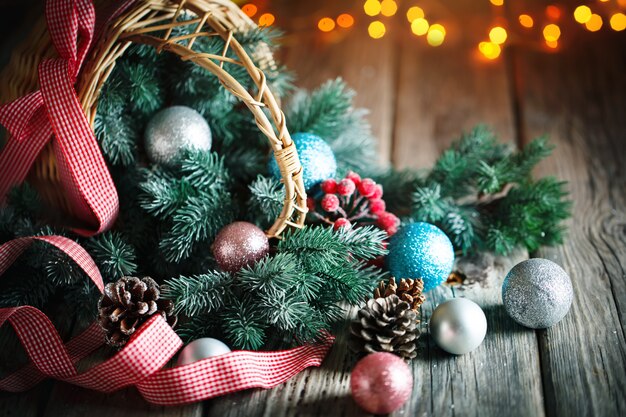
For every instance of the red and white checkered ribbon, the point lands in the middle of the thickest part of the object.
(141, 363)
(54, 113)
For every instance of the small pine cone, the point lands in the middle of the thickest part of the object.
(385, 325)
(409, 290)
(128, 303)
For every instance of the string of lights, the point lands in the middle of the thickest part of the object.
(544, 24)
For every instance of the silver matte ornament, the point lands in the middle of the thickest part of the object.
(537, 293)
(458, 326)
(173, 130)
(199, 349)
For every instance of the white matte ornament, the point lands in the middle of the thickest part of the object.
(199, 349)
(173, 130)
(458, 326)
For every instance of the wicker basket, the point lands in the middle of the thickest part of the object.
(142, 23)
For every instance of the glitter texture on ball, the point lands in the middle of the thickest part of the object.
(381, 383)
(199, 349)
(537, 293)
(458, 326)
(173, 130)
(421, 250)
(317, 159)
(239, 244)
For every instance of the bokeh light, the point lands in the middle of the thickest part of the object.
(553, 12)
(526, 21)
(552, 44)
(266, 19)
(582, 14)
(594, 23)
(326, 24)
(376, 29)
(249, 9)
(413, 13)
(497, 35)
(419, 26)
(489, 50)
(551, 32)
(618, 22)
(345, 20)
(436, 35)
(497, 2)
(372, 7)
(388, 7)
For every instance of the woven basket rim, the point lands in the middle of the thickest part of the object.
(143, 22)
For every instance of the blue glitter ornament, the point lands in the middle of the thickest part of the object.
(421, 250)
(317, 159)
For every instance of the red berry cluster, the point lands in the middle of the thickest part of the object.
(353, 200)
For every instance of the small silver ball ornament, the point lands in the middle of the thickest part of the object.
(458, 326)
(537, 293)
(173, 130)
(199, 349)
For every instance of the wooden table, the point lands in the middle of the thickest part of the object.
(421, 98)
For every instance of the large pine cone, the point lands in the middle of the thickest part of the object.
(386, 325)
(128, 303)
(409, 290)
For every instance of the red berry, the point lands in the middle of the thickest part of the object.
(367, 187)
(377, 205)
(378, 192)
(329, 186)
(330, 203)
(388, 221)
(342, 222)
(346, 187)
(310, 203)
(356, 178)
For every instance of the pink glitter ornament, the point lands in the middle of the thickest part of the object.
(239, 244)
(381, 383)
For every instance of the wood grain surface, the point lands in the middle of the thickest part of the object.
(420, 100)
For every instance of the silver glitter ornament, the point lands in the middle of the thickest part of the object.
(174, 130)
(537, 293)
(458, 326)
(201, 349)
(239, 244)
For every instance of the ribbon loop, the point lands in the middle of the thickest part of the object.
(55, 108)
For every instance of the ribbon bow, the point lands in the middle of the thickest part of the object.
(55, 111)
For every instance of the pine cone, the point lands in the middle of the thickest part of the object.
(128, 303)
(409, 290)
(385, 325)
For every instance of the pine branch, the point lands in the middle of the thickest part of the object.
(199, 294)
(243, 325)
(267, 196)
(113, 255)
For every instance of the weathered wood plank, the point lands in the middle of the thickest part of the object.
(578, 98)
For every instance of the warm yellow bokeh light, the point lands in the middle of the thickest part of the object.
(249, 9)
(345, 20)
(266, 19)
(551, 32)
(436, 35)
(497, 35)
(388, 7)
(419, 26)
(376, 29)
(618, 22)
(414, 13)
(372, 7)
(594, 23)
(489, 50)
(326, 24)
(497, 2)
(582, 14)
(526, 21)
(552, 44)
